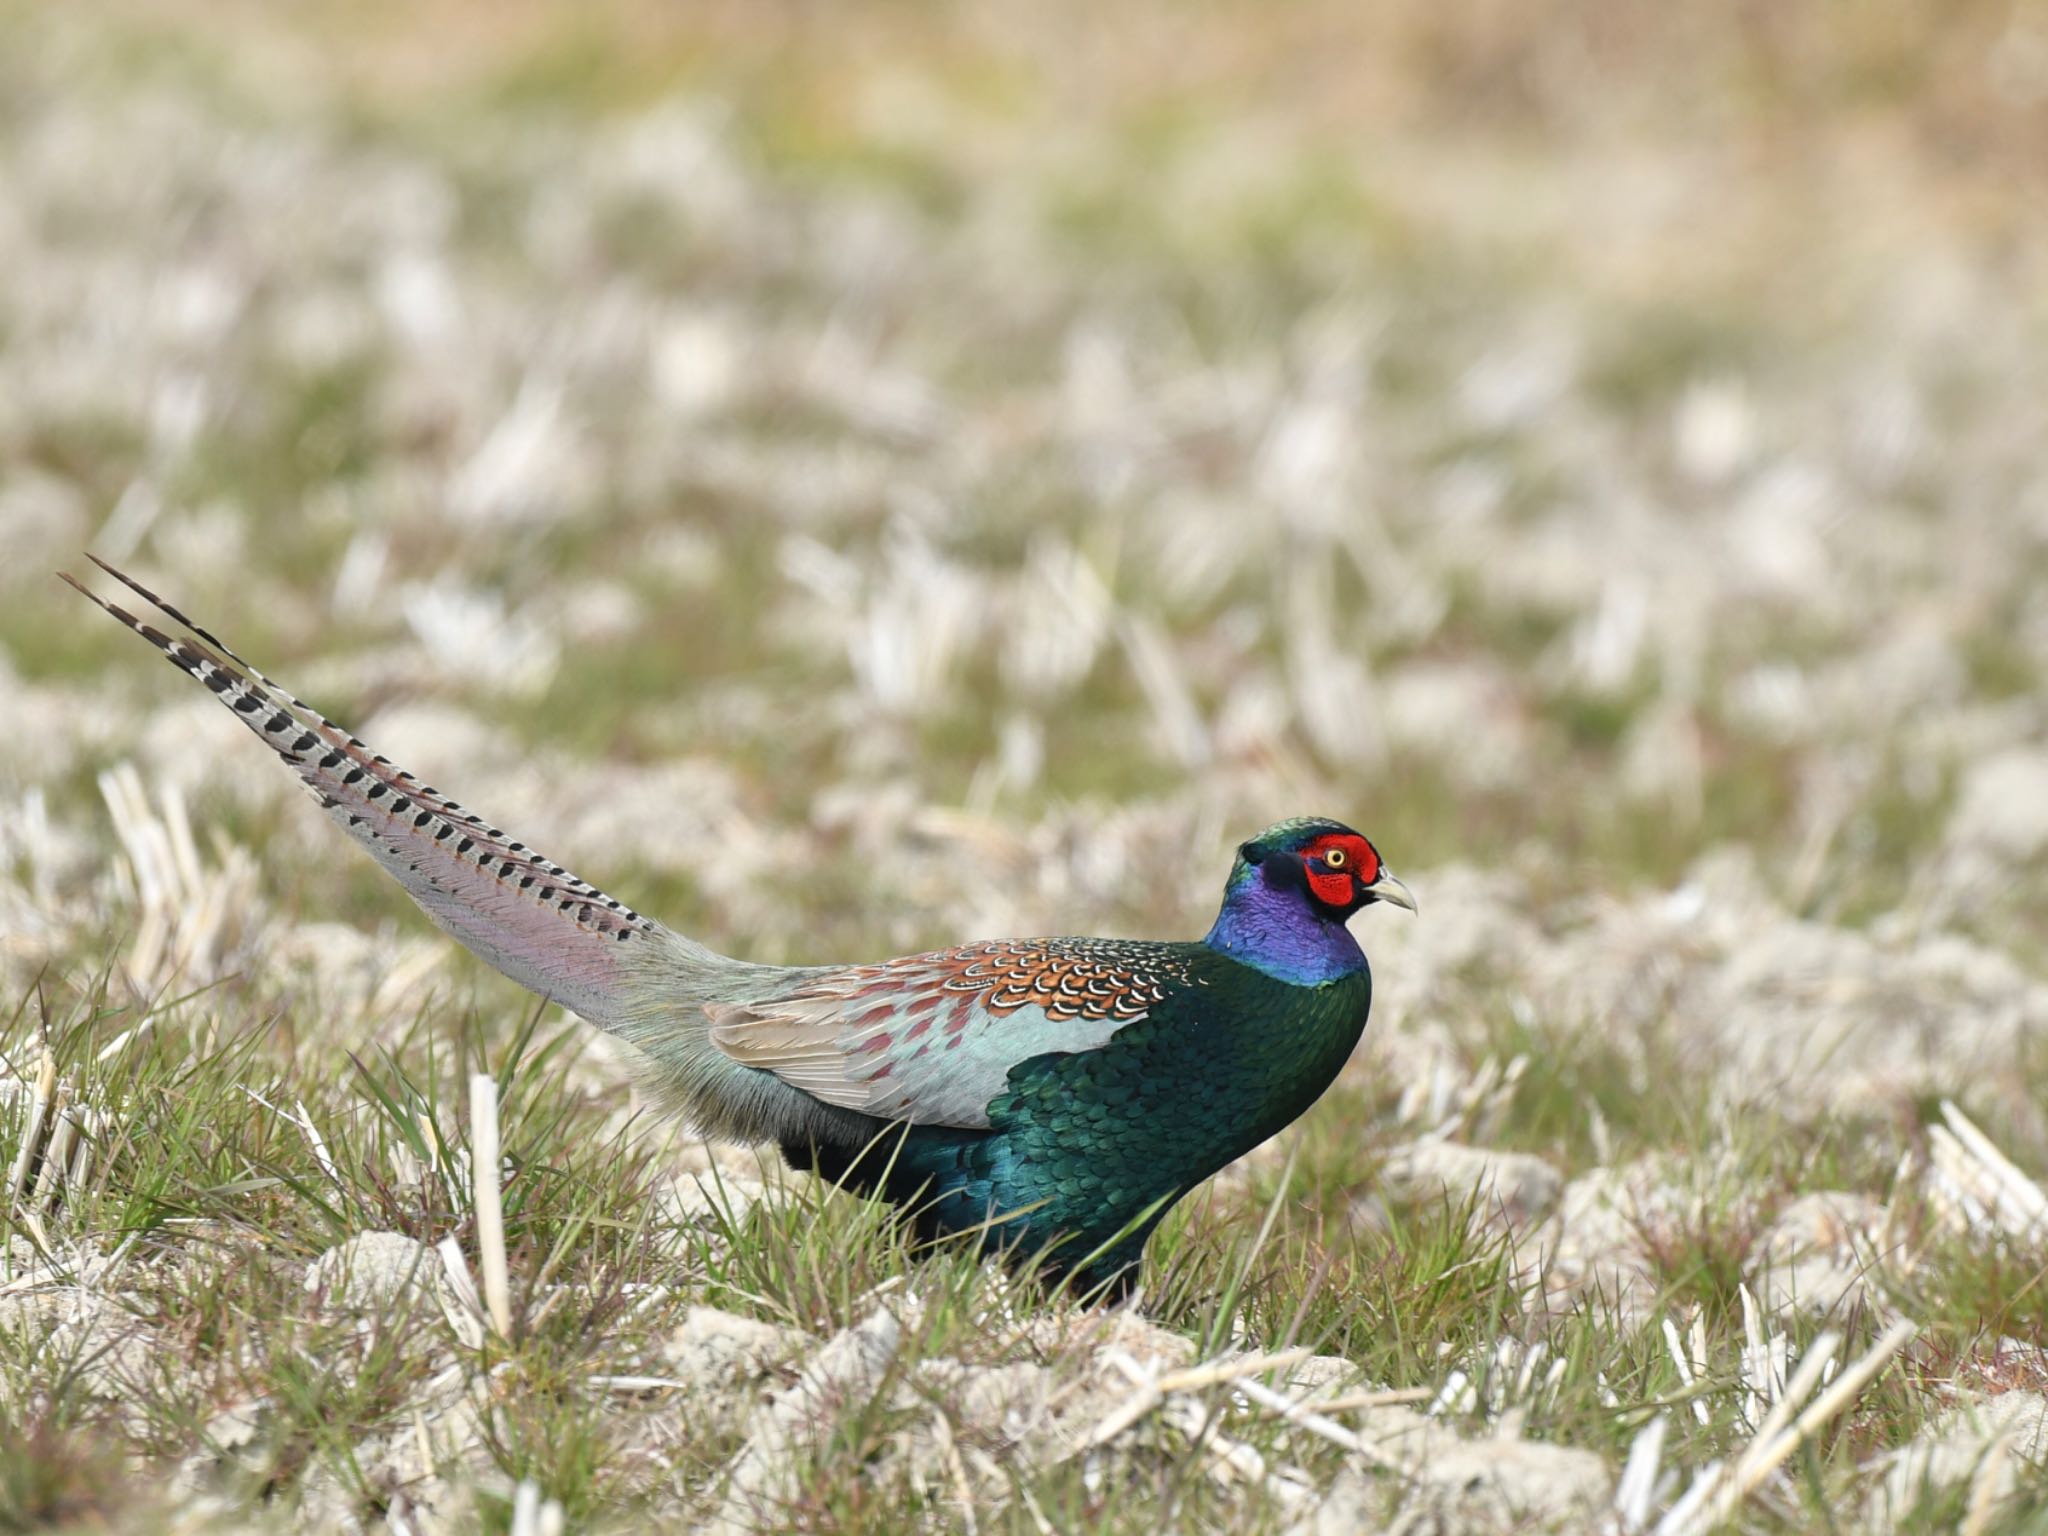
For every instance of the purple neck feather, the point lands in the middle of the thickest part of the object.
(1277, 931)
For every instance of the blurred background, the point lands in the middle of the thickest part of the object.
(862, 478)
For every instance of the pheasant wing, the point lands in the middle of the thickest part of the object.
(931, 1039)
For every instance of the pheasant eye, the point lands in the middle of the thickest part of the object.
(1335, 858)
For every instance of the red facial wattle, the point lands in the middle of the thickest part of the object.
(1337, 884)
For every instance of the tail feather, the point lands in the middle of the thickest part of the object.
(523, 913)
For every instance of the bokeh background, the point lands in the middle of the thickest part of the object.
(852, 479)
(864, 479)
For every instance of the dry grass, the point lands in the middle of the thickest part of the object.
(860, 481)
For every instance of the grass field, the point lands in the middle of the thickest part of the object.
(855, 481)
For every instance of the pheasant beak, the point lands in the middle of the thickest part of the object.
(1388, 889)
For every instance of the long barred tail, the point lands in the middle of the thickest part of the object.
(522, 913)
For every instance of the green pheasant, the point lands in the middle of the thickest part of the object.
(1055, 1096)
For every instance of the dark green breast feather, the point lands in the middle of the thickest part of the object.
(1084, 1143)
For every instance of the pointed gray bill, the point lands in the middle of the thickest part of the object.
(1388, 889)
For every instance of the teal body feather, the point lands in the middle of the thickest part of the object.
(1087, 1151)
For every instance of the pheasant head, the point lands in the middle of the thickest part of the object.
(1290, 892)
